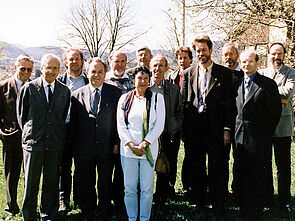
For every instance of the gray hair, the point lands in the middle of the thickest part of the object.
(115, 53)
(23, 57)
(231, 44)
(143, 48)
(46, 57)
(97, 60)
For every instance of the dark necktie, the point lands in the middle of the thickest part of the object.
(49, 93)
(96, 99)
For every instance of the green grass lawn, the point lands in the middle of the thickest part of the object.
(177, 208)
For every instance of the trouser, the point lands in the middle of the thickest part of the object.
(12, 155)
(86, 178)
(135, 170)
(118, 183)
(207, 141)
(281, 146)
(35, 163)
(165, 182)
(251, 171)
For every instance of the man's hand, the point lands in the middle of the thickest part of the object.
(284, 101)
(226, 137)
(116, 149)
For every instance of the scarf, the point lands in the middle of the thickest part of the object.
(126, 105)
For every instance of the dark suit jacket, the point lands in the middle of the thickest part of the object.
(43, 125)
(9, 128)
(63, 79)
(173, 107)
(95, 135)
(258, 115)
(218, 100)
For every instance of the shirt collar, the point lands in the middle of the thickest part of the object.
(92, 89)
(111, 74)
(18, 81)
(70, 77)
(45, 83)
(251, 77)
(238, 68)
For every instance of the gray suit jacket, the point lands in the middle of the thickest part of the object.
(9, 129)
(285, 80)
(43, 125)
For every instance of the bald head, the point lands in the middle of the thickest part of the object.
(249, 62)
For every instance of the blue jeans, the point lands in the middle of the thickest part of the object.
(135, 170)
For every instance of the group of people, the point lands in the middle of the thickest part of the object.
(113, 124)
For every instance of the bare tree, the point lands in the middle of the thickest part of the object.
(100, 26)
(232, 18)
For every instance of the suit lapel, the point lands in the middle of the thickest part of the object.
(85, 94)
(41, 90)
(13, 88)
(253, 89)
(103, 103)
(213, 79)
(281, 76)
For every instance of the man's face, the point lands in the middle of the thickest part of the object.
(203, 53)
(276, 55)
(118, 63)
(183, 60)
(230, 56)
(248, 63)
(50, 69)
(24, 70)
(96, 74)
(143, 58)
(158, 68)
(74, 62)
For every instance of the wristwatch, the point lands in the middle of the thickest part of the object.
(144, 144)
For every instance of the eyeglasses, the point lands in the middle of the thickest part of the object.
(23, 69)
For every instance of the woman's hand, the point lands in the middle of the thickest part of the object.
(137, 150)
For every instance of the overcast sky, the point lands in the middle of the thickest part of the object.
(37, 22)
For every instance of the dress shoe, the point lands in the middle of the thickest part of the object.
(9, 216)
(197, 210)
(64, 207)
(286, 208)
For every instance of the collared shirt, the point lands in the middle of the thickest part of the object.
(275, 71)
(238, 68)
(19, 83)
(74, 83)
(92, 92)
(124, 83)
(157, 88)
(111, 74)
(250, 80)
(46, 89)
(202, 72)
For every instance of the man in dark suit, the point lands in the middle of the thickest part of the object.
(170, 138)
(93, 126)
(206, 96)
(10, 132)
(230, 57)
(259, 109)
(42, 107)
(74, 78)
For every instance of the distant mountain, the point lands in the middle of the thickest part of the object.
(14, 50)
